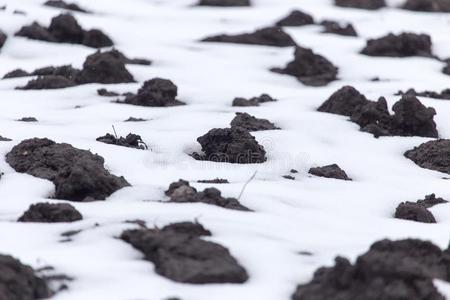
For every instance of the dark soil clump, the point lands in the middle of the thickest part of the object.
(130, 141)
(336, 28)
(309, 68)
(182, 256)
(433, 155)
(106, 93)
(181, 192)
(51, 213)
(48, 82)
(343, 102)
(251, 123)
(446, 69)
(232, 145)
(65, 29)
(330, 171)
(444, 94)
(215, 181)
(296, 18)
(402, 269)
(255, 101)
(431, 200)
(402, 45)
(156, 92)
(16, 73)
(78, 175)
(28, 119)
(362, 4)
(224, 3)
(20, 282)
(269, 36)
(64, 5)
(3, 38)
(428, 5)
(414, 212)
(133, 119)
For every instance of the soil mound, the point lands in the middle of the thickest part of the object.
(428, 5)
(330, 171)
(433, 155)
(156, 92)
(296, 18)
(3, 38)
(414, 212)
(362, 4)
(402, 45)
(224, 3)
(337, 28)
(255, 101)
(444, 94)
(65, 5)
(251, 123)
(51, 213)
(130, 141)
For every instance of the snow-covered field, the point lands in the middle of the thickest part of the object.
(325, 217)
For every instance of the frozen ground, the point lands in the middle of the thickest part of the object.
(323, 216)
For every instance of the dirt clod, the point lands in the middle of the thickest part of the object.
(402, 269)
(251, 123)
(182, 192)
(414, 212)
(51, 213)
(3, 38)
(343, 102)
(255, 101)
(337, 28)
(224, 3)
(431, 200)
(48, 82)
(130, 141)
(16, 73)
(296, 18)
(444, 94)
(309, 68)
(65, 5)
(215, 181)
(28, 119)
(428, 5)
(96, 38)
(401, 45)
(362, 4)
(133, 119)
(156, 92)
(329, 171)
(20, 282)
(233, 145)
(78, 175)
(269, 36)
(181, 255)
(433, 155)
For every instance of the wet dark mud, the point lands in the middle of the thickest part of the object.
(156, 92)
(180, 254)
(51, 213)
(254, 101)
(78, 174)
(433, 155)
(130, 141)
(339, 29)
(329, 171)
(362, 4)
(401, 45)
(296, 18)
(251, 123)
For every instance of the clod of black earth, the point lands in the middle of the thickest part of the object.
(104, 67)
(329, 171)
(444, 94)
(232, 145)
(446, 69)
(431, 200)
(182, 256)
(309, 68)
(66, 71)
(106, 93)
(3, 139)
(428, 5)
(336, 28)
(414, 212)
(133, 119)
(296, 18)
(362, 4)
(255, 101)
(156, 92)
(28, 119)
(194, 229)
(289, 177)
(16, 73)
(402, 269)
(131, 61)
(251, 123)
(48, 82)
(401, 45)
(3, 38)
(64, 5)
(64, 28)
(268, 36)
(224, 3)
(78, 174)
(130, 141)
(215, 181)
(20, 282)
(51, 213)
(343, 102)
(181, 192)
(433, 155)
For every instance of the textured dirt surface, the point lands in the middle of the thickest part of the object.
(338, 28)
(51, 213)
(254, 101)
(362, 4)
(401, 45)
(296, 18)
(156, 92)
(428, 5)
(330, 171)
(130, 141)
(414, 212)
(3, 38)
(64, 5)
(444, 94)
(224, 2)
(433, 155)
(251, 123)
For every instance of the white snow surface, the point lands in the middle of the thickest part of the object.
(326, 217)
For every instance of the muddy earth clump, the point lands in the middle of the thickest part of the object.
(403, 269)
(232, 145)
(181, 192)
(446, 69)
(20, 282)
(444, 94)
(401, 45)
(431, 200)
(51, 213)
(48, 82)
(428, 5)
(362, 4)
(107, 93)
(3, 38)
(156, 92)
(433, 155)
(414, 212)
(329, 171)
(65, 5)
(343, 101)
(337, 28)
(254, 101)
(130, 141)
(224, 3)
(251, 123)
(296, 18)
(133, 119)
(180, 254)
(215, 181)
(65, 29)
(28, 119)
(78, 174)
(309, 68)
(269, 36)
(16, 73)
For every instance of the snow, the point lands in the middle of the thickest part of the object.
(323, 216)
